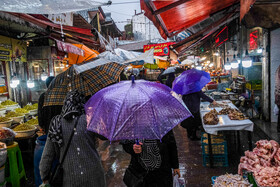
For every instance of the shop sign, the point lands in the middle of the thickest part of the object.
(12, 49)
(222, 36)
(64, 19)
(69, 48)
(253, 42)
(160, 49)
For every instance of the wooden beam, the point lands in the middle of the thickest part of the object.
(168, 7)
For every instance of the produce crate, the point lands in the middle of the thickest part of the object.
(217, 148)
(218, 160)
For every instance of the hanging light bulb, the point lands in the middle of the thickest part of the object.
(234, 63)
(203, 58)
(247, 61)
(30, 84)
(216, 54)
(211, 65)
(13, 85)
(44, 76)
(199, 67)
(260, 50)
(15, 80)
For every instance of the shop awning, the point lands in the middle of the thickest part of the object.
(173, 16)
(45, 24)
(203, 34)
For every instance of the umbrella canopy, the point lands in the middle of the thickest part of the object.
(147, 57)
(88, 54)
(127, 110)
(173, 70)
(87, 82)
(190, 81)
(187, 62)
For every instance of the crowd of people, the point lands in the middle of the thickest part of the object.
(67, 143)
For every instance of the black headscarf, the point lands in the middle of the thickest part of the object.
(73, 106)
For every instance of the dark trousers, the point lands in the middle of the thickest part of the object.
(192, 124)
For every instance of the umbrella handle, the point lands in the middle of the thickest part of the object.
(132, 78)
(137, 142)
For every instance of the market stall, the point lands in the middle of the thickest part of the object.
(224, 117)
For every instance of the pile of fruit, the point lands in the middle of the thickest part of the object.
(21, 111)
(8, 103)
(5, 133)
(23, 127)
(2, 106)
(4, 119)
(31, 107)
(211, 118)
(32, 122)
(14, 114)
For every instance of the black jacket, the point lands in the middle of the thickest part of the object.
(161, 177)
(45, 114)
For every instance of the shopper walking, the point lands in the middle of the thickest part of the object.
(192, 101)
(82, 165)
(152, 161)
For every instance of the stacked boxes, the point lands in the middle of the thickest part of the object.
(219, 150)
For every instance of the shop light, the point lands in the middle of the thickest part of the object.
(13, 85)
(247, 61)
(192, 66)
(198, 67)
(203, 58)
(227, 65)
(30, 84)
(260, 50)
(234, 63)
(216, 54)
(211, 65)
(44, 76)
(15, 81)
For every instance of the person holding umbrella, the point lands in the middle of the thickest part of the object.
(153, 161)
(189, 85)
(140, 110)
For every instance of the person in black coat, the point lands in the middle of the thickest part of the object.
(170, 79)
(45, 114)
(192, 101)
(155, 159)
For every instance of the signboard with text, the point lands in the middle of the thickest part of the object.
(160, 49)
(12, 49)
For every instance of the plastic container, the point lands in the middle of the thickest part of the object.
(33, 112)
(6, 123)
(218, 160)
(21, 134)
(17, 119)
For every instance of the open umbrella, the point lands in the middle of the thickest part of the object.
(187, 62)
(190, 81)
(173, 70)
(87, 82)
(134, 110)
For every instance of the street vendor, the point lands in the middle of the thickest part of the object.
(192, 101)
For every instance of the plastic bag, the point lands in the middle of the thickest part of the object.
(176, 181)
(276, 110)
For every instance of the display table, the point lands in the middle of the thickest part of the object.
(225, 124)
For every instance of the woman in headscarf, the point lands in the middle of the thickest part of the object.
(82, 165)
(154, 160)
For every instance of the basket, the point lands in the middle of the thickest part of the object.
(33, 112)
(12, 107)
(17, 119)
(21, 134)
(6, 123)
(218, 160)
(217, 148)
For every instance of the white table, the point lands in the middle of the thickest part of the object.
(225, 124)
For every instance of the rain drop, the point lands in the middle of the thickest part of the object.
(78, 149)
(75, 133)
(82, 173)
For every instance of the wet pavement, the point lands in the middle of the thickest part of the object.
(115, 160)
